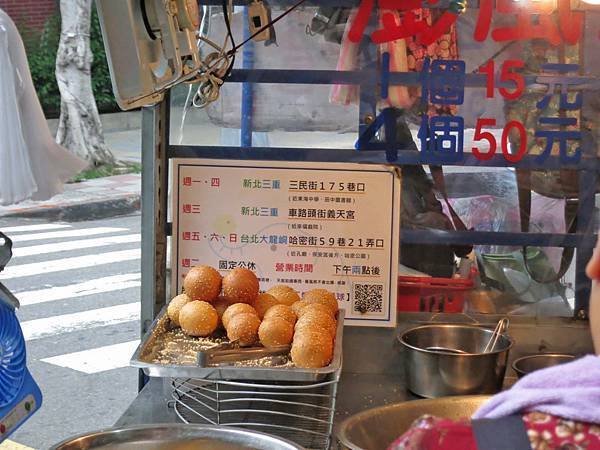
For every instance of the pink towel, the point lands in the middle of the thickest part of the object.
(570, 391)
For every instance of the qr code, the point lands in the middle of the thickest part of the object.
(368, 298)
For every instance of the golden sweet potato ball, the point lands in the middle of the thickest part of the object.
(198, 318)
(202, 283)
(312, 350)
(284, 294)
(240, 286)
(283, 311)
(221, 304)
(243, 328)
(234, 310)
(320, 319)
(275, 332)
(263, 302)
(312, 306)
(322, 296)
(175, 306)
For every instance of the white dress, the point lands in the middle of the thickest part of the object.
(32, 165)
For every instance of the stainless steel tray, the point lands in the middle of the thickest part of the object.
(141, 359)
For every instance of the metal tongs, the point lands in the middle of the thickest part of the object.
(501, 327)
(225, 354)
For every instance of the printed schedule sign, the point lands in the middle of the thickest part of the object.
(307, 225)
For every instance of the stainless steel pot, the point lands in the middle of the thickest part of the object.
(527, 364)
(175, 437)
(377, 428)
(443, 360)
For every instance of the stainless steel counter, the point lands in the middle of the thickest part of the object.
(373, 373)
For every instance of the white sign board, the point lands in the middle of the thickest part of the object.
(308, 225)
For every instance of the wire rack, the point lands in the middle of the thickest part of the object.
(299, 411)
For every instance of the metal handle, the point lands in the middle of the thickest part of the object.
(5, 250)
(7, 297)
(501, 327)
(211, 357)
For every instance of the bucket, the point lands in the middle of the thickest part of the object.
(443, 360)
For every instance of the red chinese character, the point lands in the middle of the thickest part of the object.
(413, 22)
(187, 181)
(308, 268)
(215, 182)
(185, 262)
(289, 267)
(298, 267)
(279, 267)
(187, 235)
(195, 236)
(233, 238)
(569, 28)
(187, 208)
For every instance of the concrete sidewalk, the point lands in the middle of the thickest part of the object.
(92, 199)
(101, 197)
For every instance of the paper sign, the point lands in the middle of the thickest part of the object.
(307, 225)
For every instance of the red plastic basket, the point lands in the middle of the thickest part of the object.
(432, 294)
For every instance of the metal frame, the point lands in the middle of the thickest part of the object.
(300, 412)
(157, 150)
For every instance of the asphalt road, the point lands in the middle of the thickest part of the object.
(78, 284)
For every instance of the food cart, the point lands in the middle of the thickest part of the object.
(369, 367)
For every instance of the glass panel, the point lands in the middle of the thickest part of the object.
(506, 79)
(294, 45)
(283, 115)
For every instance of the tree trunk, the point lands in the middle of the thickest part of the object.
(79, 129)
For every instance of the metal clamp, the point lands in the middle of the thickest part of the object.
(5, 250)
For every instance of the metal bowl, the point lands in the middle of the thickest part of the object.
(377, 428)
(527, 364)
(175, 437)
(444, 360)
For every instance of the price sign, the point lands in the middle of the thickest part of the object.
(307, 225)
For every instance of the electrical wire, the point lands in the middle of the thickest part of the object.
(217, 66)
(203, 30)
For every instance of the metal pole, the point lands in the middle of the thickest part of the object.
(247, 88)
(588, 180)
(155, 142)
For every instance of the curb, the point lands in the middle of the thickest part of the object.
(76, 212)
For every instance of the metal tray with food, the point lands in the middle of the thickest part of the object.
(165, 351)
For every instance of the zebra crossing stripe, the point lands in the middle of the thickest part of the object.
(76, 262)
(67, 323)
(85, 288)
(66, 234)
(96, 360)
(40, 227)
(75, 245)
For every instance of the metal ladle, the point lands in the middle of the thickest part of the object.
(501, 327)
